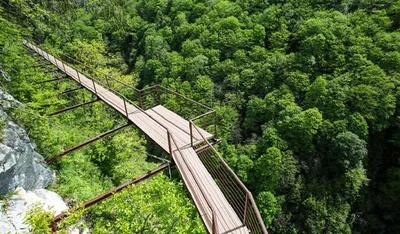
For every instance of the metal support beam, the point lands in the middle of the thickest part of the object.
(58, 156)
(41, 65)
(55, 79)
(50, 70)
(72, 90)
(109, 193)
(73, 107)
(44, 61)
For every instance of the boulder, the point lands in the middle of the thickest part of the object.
(12, 218)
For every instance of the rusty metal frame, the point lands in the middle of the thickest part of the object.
(41, 65)
(48, 70)
(109, 193)
(72, 90)
(73, 107)
(58, 156)
(54, 79)
(249, 200)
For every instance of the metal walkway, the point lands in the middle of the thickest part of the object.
(180, 138)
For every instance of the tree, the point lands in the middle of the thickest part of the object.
(269, 207)
(299, 128)
(349, 149)
(255, 114)
(268, 168)
(316, 93)
(226, 119)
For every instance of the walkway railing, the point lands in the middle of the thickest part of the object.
(212, 221)
(151, 96)
(74, 72)
(238, 196)
(173, 148)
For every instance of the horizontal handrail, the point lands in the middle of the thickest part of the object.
(139, 91)
(202, 115)
(107, 76)
(146, 88)
(143, 89)
(149, 87)
(189, 99)
(77, 61)
(125, 99)
(248, 193)
(216, 152)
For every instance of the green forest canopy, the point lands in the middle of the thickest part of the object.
(306, 92)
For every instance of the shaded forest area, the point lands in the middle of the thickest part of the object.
(306, 92)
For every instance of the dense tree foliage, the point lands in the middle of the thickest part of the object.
(307, 94)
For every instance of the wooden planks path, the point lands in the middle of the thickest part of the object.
(155, 123)
(190, 166)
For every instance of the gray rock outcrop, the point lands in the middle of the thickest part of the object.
(20, 165)
(23, 171)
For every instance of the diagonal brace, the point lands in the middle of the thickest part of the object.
(58, 156)
(109, 193)
(73, 107)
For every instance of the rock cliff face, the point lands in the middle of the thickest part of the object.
(24, 172)
(20, 165)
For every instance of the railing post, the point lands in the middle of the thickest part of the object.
(126, 109)
(169, 143)
(48, 58)
(140, 99)
(95, 91)
(214, 224)
(55, 60)
(79, 78)
(215, 123)
(169, 171)
(158, 95)
(246, 204)
(108, 84)
(64, 67)
(191, 133)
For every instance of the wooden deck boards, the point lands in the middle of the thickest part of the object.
(154, 123)
(190, 166)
